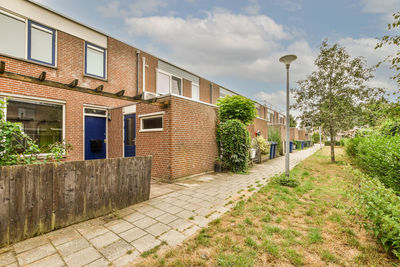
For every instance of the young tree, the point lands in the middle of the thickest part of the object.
(237, 107)
(394, 60)
(292, 122)
(332, 96)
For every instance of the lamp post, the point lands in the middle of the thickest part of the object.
(287, 60)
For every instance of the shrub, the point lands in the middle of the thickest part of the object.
(380, 207)
(351, 146)
(380, 157)
(390, 127)
(285, 181)
(261, 143)
(274, 135)
(315, 138)
(237, 107)
(234, 143)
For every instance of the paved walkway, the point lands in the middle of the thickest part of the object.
(167, 220)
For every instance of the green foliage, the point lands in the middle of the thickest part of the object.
(380, 157)
(333, 95)
(234, 142)
(260, 142)
(237, 107)
(292, 122)
(380, 206)
(16, 147)
(292, 181)
(315, 138)
(274, 135)
(390, 127)
(390, 40)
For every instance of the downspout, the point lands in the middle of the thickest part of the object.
(211, 93)
(138, 70)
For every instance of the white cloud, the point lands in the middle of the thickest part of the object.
(253, 8)
(138, 8)
(225, 44)
(289, 5)
(110, 10)
(380, 6)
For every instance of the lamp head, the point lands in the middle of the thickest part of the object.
(288, 59)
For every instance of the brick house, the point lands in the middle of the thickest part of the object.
(67, 81)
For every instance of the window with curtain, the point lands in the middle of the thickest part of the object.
(41, 44)
(95, 61)
(14, 29)
(195, 92)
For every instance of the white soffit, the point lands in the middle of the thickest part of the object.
(51, 19)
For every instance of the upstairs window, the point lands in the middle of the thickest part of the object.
(41, 43)
(195, 92)
(168, 84)
(95, 61)
(14, 28)
(27, 39)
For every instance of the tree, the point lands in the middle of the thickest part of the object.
(293, 122)
(332, 96)
(394, 60)
(237, 107)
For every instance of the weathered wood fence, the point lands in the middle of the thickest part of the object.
(39, 198)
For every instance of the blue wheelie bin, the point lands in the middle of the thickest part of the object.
(290, 147)
(302, 144)
(271, 150)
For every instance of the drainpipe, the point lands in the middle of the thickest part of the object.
(138, 71)
(211, 93)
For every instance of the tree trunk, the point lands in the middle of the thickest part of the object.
(332, 143)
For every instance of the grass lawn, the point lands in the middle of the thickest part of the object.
(312, 224)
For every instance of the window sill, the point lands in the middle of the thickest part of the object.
(29, 61)
(95, 77)
(151, 130)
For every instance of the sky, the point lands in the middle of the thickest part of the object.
(237, 43)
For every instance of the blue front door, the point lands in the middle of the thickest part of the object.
(130, 135)
(95, 134)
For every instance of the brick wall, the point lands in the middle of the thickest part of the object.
(115, 134)
(193, 146)
(301, 135)
(216, 92)
(205, 90)
(187, 88)
(151, 72)
(156, 144)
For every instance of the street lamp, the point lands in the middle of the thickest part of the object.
(287, 60)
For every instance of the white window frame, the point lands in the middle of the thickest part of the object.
(198, 90)
(151, 116)
(170, 83)
(35, 100)
(99, 49)
(27, 46)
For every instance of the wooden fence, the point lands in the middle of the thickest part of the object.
(39, 198)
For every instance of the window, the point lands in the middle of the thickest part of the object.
(41, 40)
(95, 61)
(42, 122)
(195, 92)
(168, 84)
(151, 122)
(176, 85)
(14, 29)
(41, 43)
(163, 83)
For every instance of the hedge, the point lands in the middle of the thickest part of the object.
(380, 207)
(379, 156)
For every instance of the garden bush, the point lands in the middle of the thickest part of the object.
(379, 156)
(390, 127)
(261, 143)
(234, 143)
(380, 207)
(274, 135)
(237, 107)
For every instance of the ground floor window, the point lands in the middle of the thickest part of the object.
(43, 122)
(151, 122)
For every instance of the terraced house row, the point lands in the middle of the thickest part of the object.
(67, 81)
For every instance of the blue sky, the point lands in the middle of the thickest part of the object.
(237, 44)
